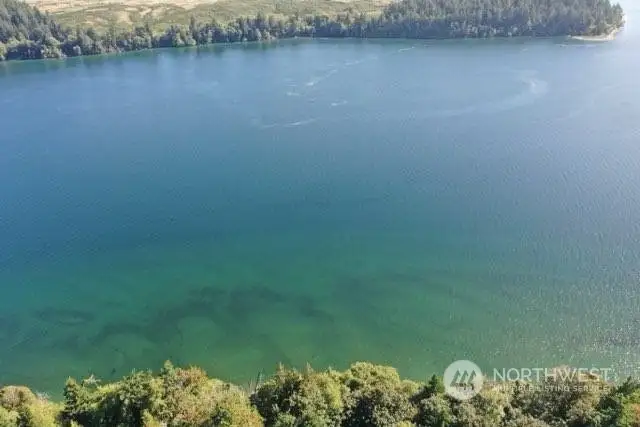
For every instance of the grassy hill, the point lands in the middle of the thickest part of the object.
(161, 14)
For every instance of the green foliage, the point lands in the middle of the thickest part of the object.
(20, 407)
(309, 398)
(190, 398)
(41, 413)
(79, 405)
(125, 404)
(285, 420)
(275, 397)
(468, 18)
(119, 404)
(621, 406)
(487, 409)
(574, 400)
(232, 408)
(363, 395)
(320, 400)
(433, 387)
(434, 411)
(377, 396)
(630, 410)
(8, 418)
(149, 420)
(26, 33)
(14, 397)
(518, 419)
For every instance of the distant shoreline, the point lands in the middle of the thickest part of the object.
(397, 20)
(599, 38)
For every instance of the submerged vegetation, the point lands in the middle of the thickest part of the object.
(27, 33)
(363, 395)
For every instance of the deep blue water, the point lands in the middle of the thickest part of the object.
(326, 201)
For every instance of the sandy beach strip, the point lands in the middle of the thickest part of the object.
(604, 37)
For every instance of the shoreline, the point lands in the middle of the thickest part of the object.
(603, 37)
(92, 38)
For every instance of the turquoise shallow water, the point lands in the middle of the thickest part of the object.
(405, 202)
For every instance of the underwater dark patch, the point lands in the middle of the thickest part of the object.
(247, 301)
(117, 328)
(207, 294)
(309, 309)
(64, 316)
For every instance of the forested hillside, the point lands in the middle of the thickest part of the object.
(486, 18)
(26, 33)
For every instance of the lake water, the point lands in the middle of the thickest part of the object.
(405, 202)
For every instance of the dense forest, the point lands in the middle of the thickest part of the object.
(26, 33)
(364, 395)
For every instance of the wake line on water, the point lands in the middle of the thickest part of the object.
(269, 126)
(580, 45)
(317, 80)
(298, 123)
(350, 63)
(536, 88)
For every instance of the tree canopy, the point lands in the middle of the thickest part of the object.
(27, 33)
(364, 395)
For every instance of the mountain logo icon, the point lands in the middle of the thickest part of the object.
(463, 379)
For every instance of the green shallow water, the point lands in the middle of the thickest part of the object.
(405, 202)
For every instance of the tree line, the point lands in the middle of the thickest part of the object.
(27, 33)
(364, 395)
